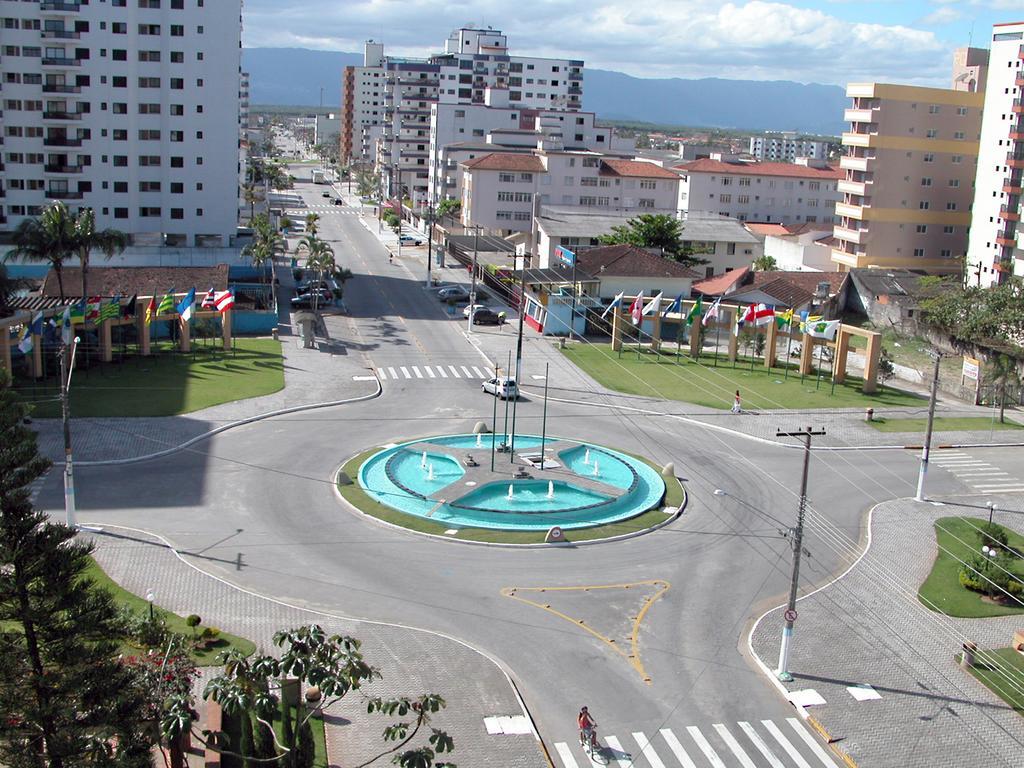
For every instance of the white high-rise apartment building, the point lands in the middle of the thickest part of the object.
(996, 245)
(130, 107)
(785, 146)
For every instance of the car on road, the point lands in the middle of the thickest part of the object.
(453, 293)
(338, 201)
(305, 301)
(409, 240)
(471, 308)
(502, 387)
(325, 194)
(487, 316)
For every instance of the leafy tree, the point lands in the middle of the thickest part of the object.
(654, 230)
(162, 675)
(266, 244)
(886, 368)
(246, 744)
(109, 242)
(319, 257)
(449, 207)
(367, 183)
(8, 286)
(992, 317)
(765, 263)
(305, 746)
(50, 237)
(65, 698)
(252, 195)
(312, 222)
(1004, 378)
(335, 664)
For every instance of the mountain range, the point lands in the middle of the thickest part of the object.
(303, 77)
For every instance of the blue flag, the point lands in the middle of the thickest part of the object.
(186, 305)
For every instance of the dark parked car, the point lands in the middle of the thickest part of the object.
(460, 293)
(305, 301)
(487, 316)
(338, 201)
(325, 194)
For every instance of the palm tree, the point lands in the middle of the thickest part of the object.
(266, 244)
(108, 241)
(311, 222)
(319, 256)
(8, 286)
(1004, 377)
(49, 237)
(251, 195)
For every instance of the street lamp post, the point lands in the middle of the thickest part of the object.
(67, 366)
(991, 509)
(472, 285)
(927, 447)
(150, 597)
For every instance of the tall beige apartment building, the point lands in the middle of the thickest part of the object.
(909, 158)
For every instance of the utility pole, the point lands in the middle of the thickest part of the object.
(927, 447)
(798, 541)
(66, 367)
(430, 236)
(472, 285)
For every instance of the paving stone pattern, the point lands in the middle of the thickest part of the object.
(410, 661)
(869, 627)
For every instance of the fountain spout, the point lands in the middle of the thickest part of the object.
(551, 489)
(479, 439)
(509, 497)
(430, 471)
(423, 460)
(586, 456)
(597, 469)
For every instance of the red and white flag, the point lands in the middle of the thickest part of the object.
(208, 300)
(763, 315)
(224, 300)
(636, 309)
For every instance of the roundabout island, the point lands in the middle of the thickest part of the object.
(511, 489)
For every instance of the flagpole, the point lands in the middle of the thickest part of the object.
(507, 372)
(718, 336)
(544, 417)
(494, 414)
(789, 344)
(818, 384)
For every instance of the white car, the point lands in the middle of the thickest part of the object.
(502, 387)
(472, 308)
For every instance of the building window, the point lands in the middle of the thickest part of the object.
(725, 198)
(922, 229)
(646, 202)
(954, 182)
(948, 229)
(933, 109)
(926, 181)
(919, 252)
(932, 133)
(959, 135)
(929, 157)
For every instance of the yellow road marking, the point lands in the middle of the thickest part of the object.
(633, 655)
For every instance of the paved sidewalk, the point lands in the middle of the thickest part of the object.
(870, 628)
(411, 661)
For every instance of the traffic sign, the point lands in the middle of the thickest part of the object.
(565, 256)
(790, 615)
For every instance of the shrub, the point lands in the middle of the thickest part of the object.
(993, 535)
(211, 633)
(989, 576)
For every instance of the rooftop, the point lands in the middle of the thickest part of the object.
(565, 221)
(629, 261)
(761, 169)
(142, 281)
(506, 161)
(636, 169)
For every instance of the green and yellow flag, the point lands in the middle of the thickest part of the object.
(110, 310)
(166, 303)
(695, 311)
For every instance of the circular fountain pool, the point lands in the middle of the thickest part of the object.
(449, 479)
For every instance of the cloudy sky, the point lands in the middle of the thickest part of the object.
(824, 41)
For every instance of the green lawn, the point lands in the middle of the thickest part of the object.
(707, 385)
(994, 675)
(951, 424)
(354, 494)
(172, 384)
(174, 622)
(941, 591)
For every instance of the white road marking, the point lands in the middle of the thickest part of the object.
(815, 747)
(648, 750)
(417, 372)
(758, 742)
(566, 754)
(381, 375)
(392, 373)
(466, 371)
(442, 371)
(624, 759)
(455, 373)
(405, 371)
(705, 747)
(430, 371)
(785, 743)
(677, 748)
(731, 743)
(479, 373)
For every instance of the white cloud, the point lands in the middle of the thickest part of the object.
(757, 39)
(946, 14)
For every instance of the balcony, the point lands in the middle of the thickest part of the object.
(859, 116)
(66, 194)
(857, 139)
(850, 163)
(1018, 106)
(55, 88)
(60, 34)
(858, 236)
(60, 168)
(1006, 238)
(852, 187)
(61, 141)
(1017, 133)
(1019, 79)
(60, 61)
(851, 211)
(1015, 159)
(850, 259)
(1009, 213)
(60, 7)
(1013, 186)
(575, 90)
(62, 115)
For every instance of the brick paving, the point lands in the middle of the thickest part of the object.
(411, 661)
(869, 628)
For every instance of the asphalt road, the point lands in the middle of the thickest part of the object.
(262, 495)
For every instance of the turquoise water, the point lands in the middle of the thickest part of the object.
(407, 467)
(469, 441)
(530, 508)
(610, 468)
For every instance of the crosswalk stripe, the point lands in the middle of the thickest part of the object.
(648, 750)
(624, 759)
(478, 373)
(705, 747)
(987, 472)
(393, 373)
(417, 372)
(455, 373)
(998, 489)
(731, 743)
(381, 375)
(405, 371)
(785, 743)
(815, 747)
(430, 371)
(753, 735)
(677, 748)
(566, 754)
(466, 371)
(442, 371)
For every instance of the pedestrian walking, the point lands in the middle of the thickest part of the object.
(391, 257)
(736, 406)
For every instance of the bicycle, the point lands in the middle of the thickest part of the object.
(588, 740)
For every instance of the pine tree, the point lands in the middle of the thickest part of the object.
(65, 699)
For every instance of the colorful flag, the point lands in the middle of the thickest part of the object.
(695, 311)
(712, 313)
(166, 303)
(92, 309)
(784, 320)
(186, 305)
(66, 327)
(128, 310)
(111, 310)
(617, 301)
(225, 300)
(675, 306)
(31, 329)
(636, 309)
(807, 320)
(150, 309)
(78, 311)
(764, 315)
(823, 329)
(208, 302)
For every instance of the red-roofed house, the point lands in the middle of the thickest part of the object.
(784, 193)
(498, 189)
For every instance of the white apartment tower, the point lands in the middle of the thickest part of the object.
(130, 107)
(786, 146)
(996, 245)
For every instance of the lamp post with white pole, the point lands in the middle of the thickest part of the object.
(67, 366)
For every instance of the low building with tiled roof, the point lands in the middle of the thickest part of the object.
(638, 169)
(136, 281)
(772, 193)
(506, 161)
(826, 291)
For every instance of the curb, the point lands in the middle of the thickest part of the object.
(831, 742)
(225, 427)
(497, 544)
(500, 665)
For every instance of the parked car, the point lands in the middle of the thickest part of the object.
(312, 285)
(471, 308)
(305, 301)
(325, 194)
(338, 201)
(503, 387)
(409, 240)
(453, 293)
(487, 316)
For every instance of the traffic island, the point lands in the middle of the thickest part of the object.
(532, 490)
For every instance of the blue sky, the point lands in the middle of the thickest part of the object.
(823, 41)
